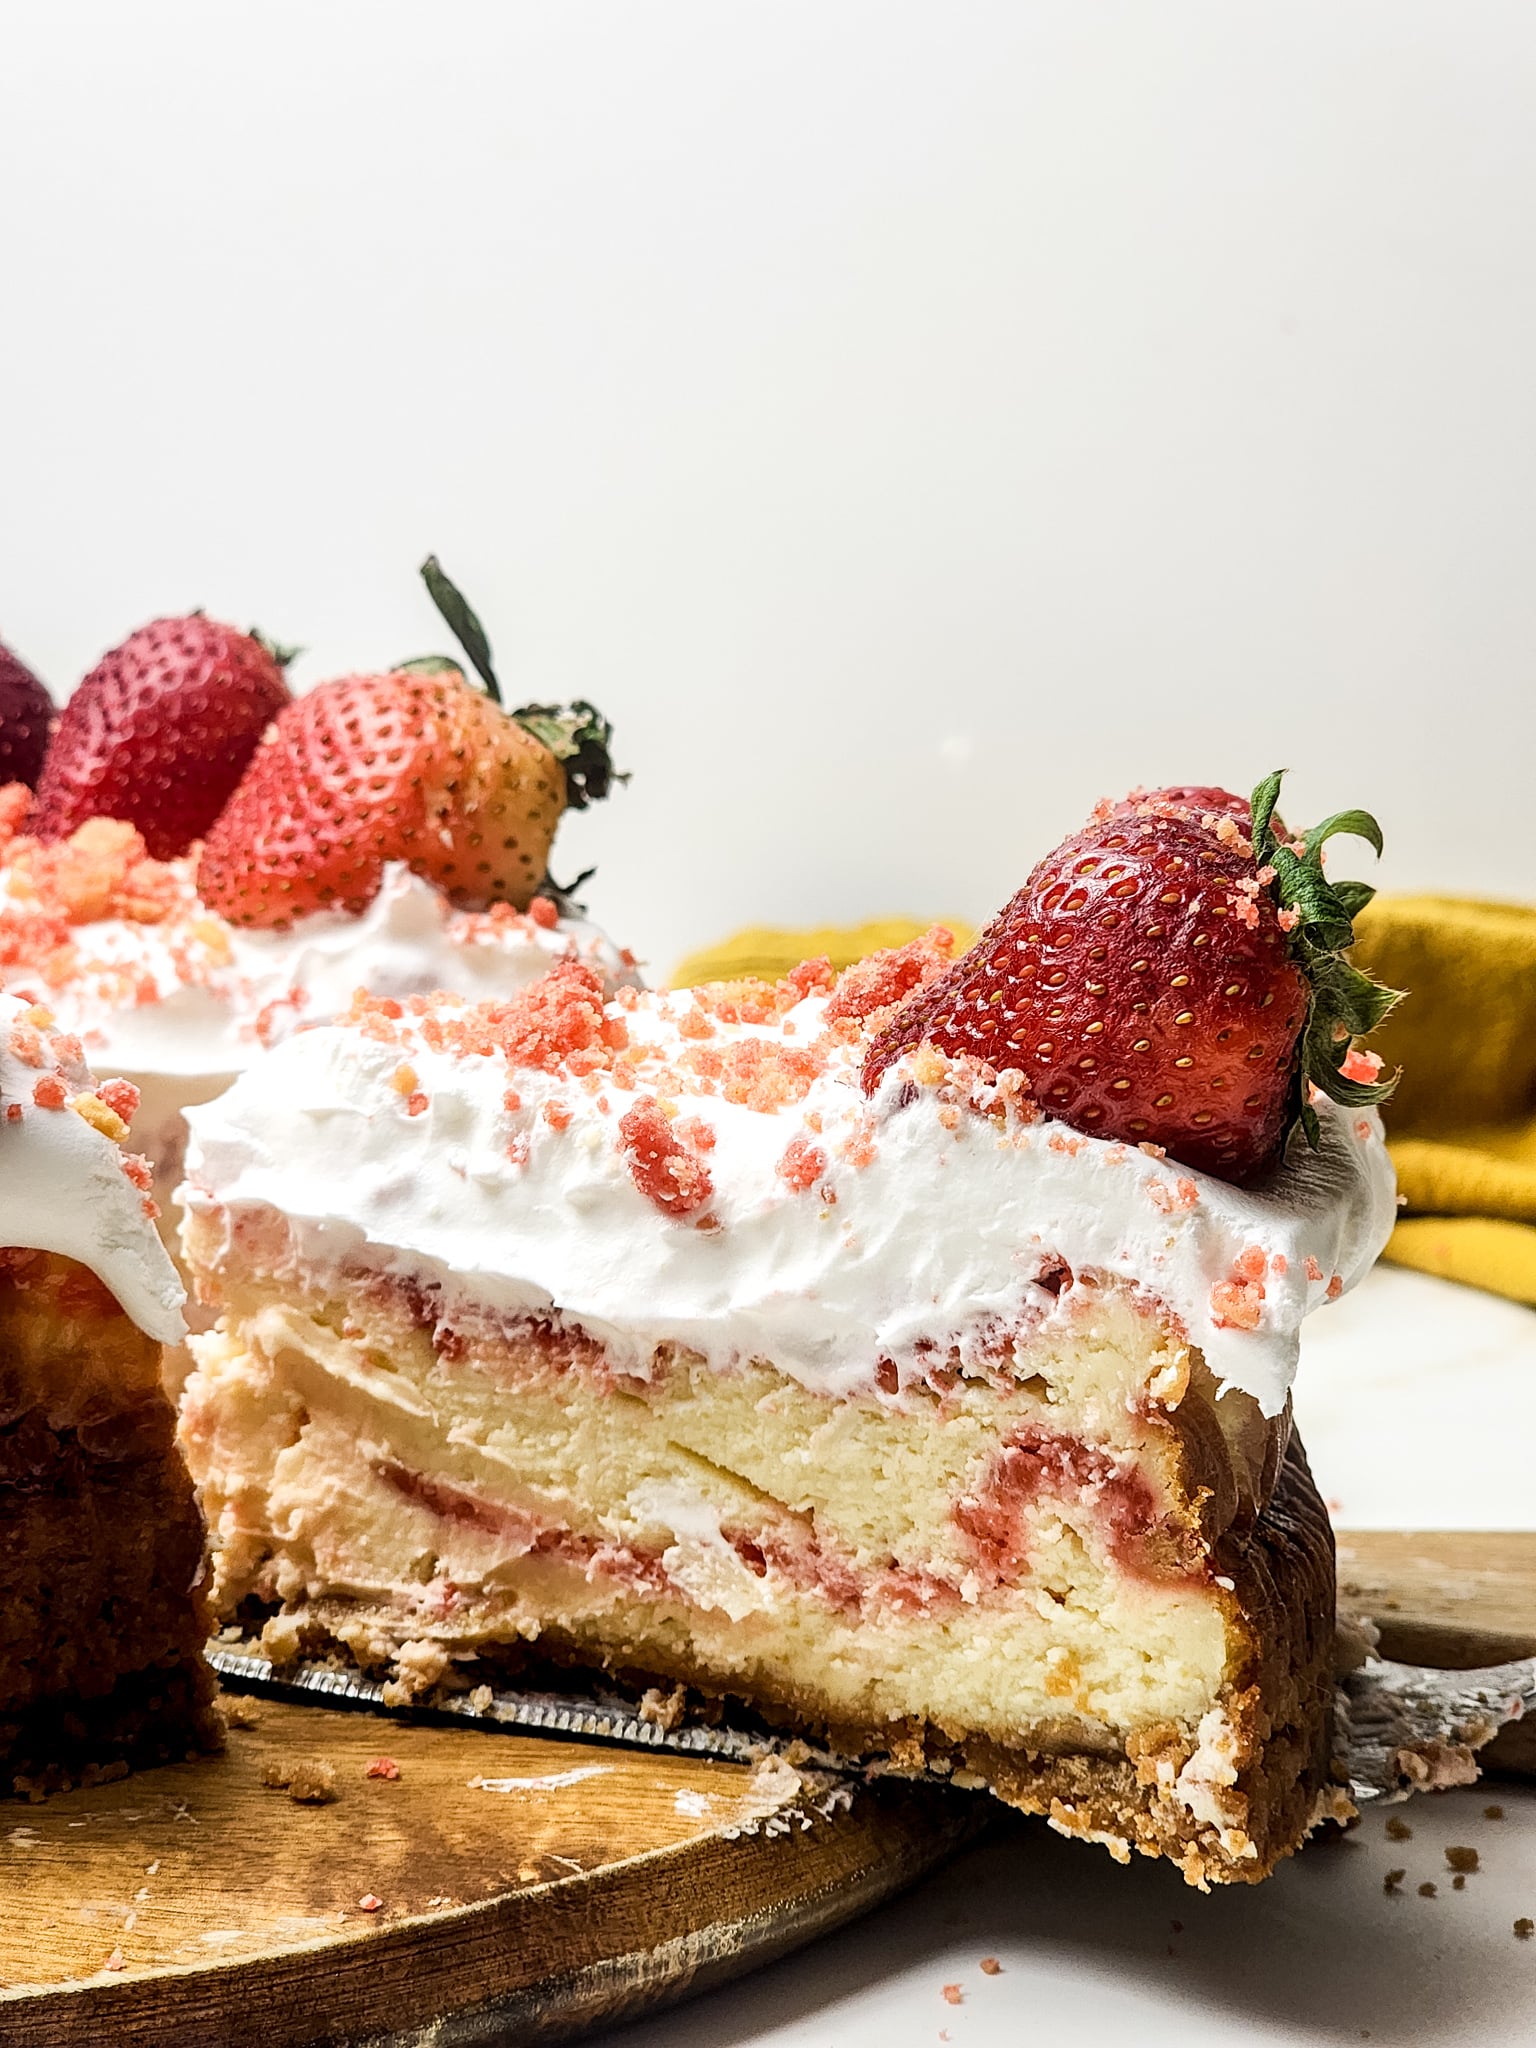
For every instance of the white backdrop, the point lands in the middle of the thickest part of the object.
(909, 421)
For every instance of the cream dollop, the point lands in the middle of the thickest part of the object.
(63, 1187)
(838, 1232)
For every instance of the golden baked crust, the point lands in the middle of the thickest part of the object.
(103, 1616)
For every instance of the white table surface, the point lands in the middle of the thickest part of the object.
(1418, 1404)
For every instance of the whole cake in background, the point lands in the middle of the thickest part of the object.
(209, 864)
(905, 1352)
(103, 1614)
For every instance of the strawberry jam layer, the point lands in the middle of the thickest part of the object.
(1041, 1466)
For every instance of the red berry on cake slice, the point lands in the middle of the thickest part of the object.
(1164, 978)
(159, 733)
(26, 714)
(634, 1334)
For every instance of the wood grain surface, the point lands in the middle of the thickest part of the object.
(527, 1887)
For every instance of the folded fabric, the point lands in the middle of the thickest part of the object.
(771, 950)
(1462, 1124)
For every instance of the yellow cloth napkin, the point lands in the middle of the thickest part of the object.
(1463, 1122)
(771, 950)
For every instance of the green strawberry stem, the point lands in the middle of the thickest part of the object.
(279, 652)
(462, 622)
(1345, 1003)
(577, 733)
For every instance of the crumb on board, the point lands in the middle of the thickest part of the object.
(1393, 1880)
(238, 1712)
(953, 1995)
(1524, 1928)
(1459, 1881)
(370, 1902)
(308, 1780)
(1398, 1830)
(1427, 1890)
(1493, 1813)
(115, 1961)
(990, 1966)
(1461, 1858)
(383, 1767)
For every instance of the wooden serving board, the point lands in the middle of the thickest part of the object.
(528, 1887)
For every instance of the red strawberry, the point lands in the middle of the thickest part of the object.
(159, 733)
(411, 766)
(415, 766)
(1164, 982)
(26, 712)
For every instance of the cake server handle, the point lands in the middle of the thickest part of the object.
(1405, 1728)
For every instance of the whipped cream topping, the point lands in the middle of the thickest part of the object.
(65, 1186)
(825, 1231)
(191, 995)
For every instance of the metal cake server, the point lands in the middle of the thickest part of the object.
(1401, 1728)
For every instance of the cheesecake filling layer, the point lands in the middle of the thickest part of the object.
(974, 1551)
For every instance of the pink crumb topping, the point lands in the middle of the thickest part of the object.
(1238, 1303)
(121, 1097)
(49, 1092)
(889, 977)
(664, 1171)
(802, 1164)
(1360, 1065)
(1312, 1269)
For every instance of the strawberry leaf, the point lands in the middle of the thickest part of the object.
(1345, 1002)
(578, 735)
(280, 653)
(1358, 824)
(462, 621)
(431, 665)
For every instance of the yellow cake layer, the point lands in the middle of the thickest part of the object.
(313, 1407)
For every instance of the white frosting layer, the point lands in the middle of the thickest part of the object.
(182, 1006)
(63, 1187)
(195, 996)
(928, 1225)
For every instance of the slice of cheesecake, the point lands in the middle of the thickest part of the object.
(639, 1334)
(103, 1615)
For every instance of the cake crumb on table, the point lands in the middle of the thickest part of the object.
(1524, 1928)
(1460, 1858)
(116, 1960)
(383, 1767)
(239, 1713)
(1393, 1880)
(953, 1995)
(991, 1967)
(1398, 1830)
(1493, 1813)
(1459, 1881)
(308, 1780)
(1427, 1890)
(370, 1902)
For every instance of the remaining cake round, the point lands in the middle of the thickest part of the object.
(102, 1609)
(178, 1001)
